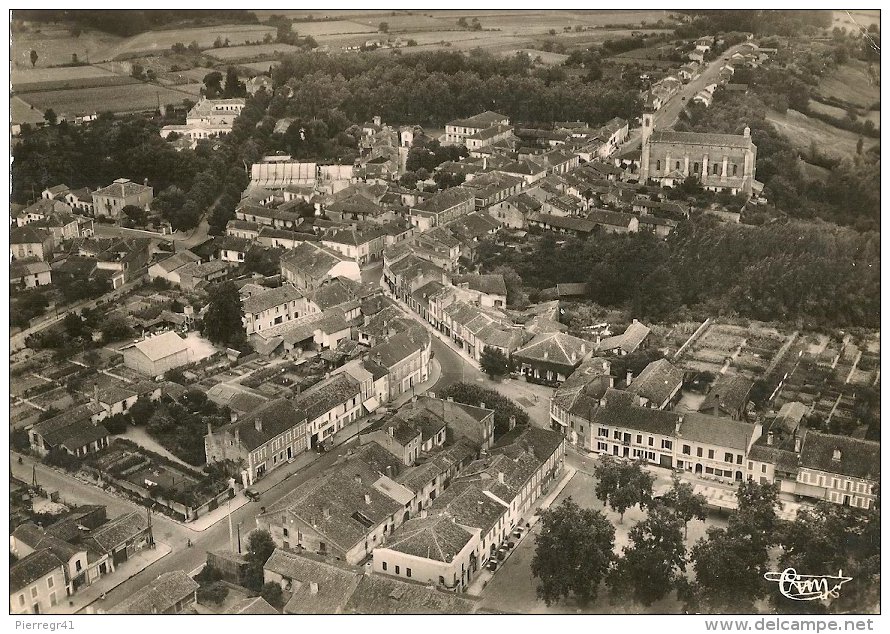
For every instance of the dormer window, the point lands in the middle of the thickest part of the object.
(836, 455)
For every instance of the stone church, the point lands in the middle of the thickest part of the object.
(721, 161)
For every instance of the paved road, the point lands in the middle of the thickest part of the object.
(667, 115)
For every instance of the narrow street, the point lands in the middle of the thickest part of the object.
(667, 115)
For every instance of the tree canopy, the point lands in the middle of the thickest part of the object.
(223, 320)
(573, 553)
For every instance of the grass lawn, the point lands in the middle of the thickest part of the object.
(512, 589)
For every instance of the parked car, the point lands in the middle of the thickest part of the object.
(502, 553)
(517, 532)
(251, 495)
(492, 564)
(511, 544)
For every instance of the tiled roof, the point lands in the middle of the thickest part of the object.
(271, 298)
(158, 596)
(177, 260)
(635, 334)
(399, 347)
(492, 284)
(32, 568)
(556, 347)
(117, 531)
(379, 594)
(27, 235)
(28, 266)
(312, 260)
(728, 393)
(563, 222)
(657, 381)
(714, 430)
(161, 346)
(858, 458)
(122, 189)
(446, 199)
(437, 537)
(701, 138)
(481, 120)
(491, 132)
(468, 505)
(255, 605)
(631, 416)
(612, 218)
(266, 422)
(78, 435)
(327, 395)
(318, 586)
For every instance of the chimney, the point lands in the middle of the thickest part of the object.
(258, 423)
(630, 376)
(367, 499)
(450, 399)
(237, 437)
(145, 181)
(326, 511)
(388, 471)
(635, 321)
(96, 393)
(512, 422)
(484, 162)
(358, 479)
(546, 355)
(797, 446)
(313, 587)
(747, 131)
(769, 439)
(209, 430)
(836, 455)
(598, 339)
(392, 431)
(482, 405)
(501, 477)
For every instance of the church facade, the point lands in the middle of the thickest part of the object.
(723, 162)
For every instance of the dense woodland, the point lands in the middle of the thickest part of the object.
(127, 22)
(815, 274)
(431, 88)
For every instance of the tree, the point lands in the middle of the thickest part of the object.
(494, 362)
(756, 515)
(259, 548)
(115, 329)
(223, 321)
(573, 553)
(651, 564)
(463, 22)
(622, 484)
(137, 214)
(169, 202)
(116, 424)
(685, 503)
(383, 27)
(272, 594)
(234, 87)
(859, 144)
(50, 116)
(214, 592)
(74, 326)
(34, 57)
(142, 410)
(213, 84)
(137, 71)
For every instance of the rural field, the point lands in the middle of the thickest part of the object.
(853, 84)
(21, 112)
(259, 67)
(55, 45)
(802, 131)
(857, 18)
(247, 52)
(204, 36)
(132, 98)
